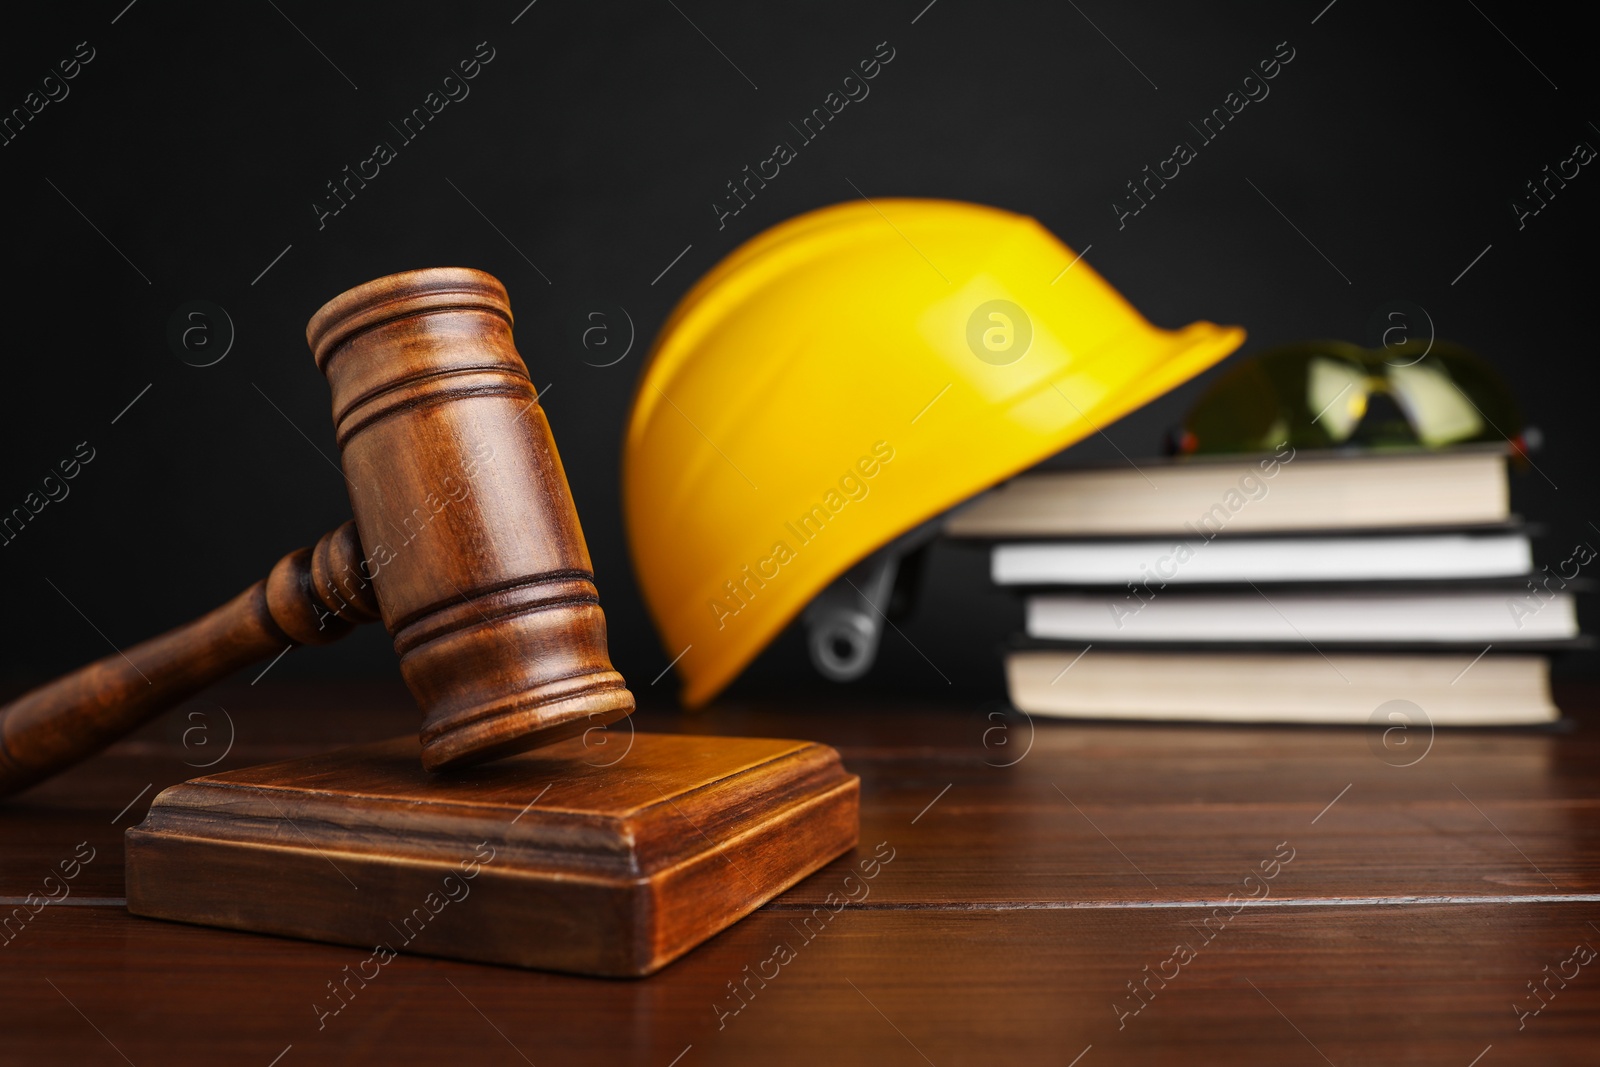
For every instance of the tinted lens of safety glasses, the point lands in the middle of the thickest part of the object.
(1281, 396)
(1452, 396)
(1330, 394)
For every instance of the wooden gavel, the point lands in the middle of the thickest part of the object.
(465, 541)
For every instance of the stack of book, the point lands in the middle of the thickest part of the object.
(1283, 588)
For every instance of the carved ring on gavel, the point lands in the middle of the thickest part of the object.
(465, 542)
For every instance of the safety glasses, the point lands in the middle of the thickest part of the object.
(1331, 394)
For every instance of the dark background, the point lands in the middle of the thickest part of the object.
(596, 141)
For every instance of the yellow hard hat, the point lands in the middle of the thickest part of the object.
(848, 376)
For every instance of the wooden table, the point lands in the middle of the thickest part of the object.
(1043, 876)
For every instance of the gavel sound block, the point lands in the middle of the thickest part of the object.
(574, 857)
(466, 543)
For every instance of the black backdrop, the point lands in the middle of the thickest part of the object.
(188, 153)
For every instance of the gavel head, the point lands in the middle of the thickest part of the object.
(469, 536)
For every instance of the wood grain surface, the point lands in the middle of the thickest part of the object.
(1381, 914)
(574, 858)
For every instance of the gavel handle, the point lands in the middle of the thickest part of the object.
(313, 596)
